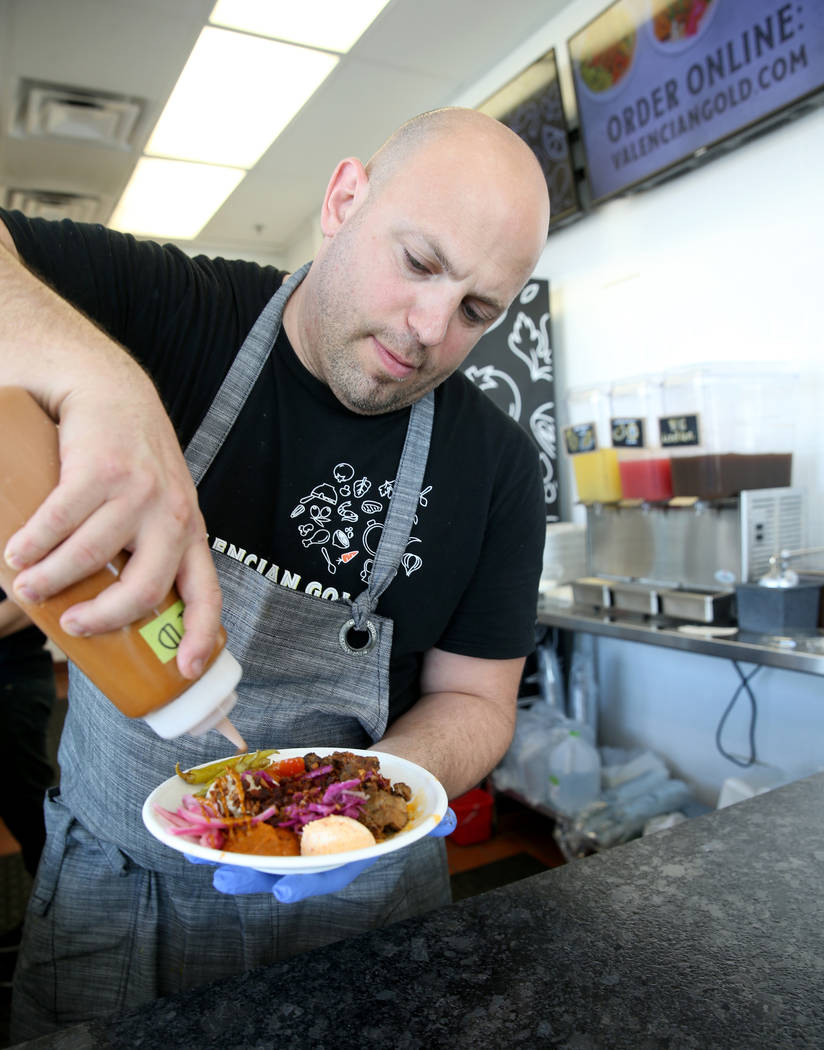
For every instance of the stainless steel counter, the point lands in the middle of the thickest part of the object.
(793, 652)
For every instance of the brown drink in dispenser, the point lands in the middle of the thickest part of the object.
(729, 428)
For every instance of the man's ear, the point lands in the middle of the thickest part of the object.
(346, 191)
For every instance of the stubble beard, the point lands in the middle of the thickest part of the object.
(367, 394)
(339, 336)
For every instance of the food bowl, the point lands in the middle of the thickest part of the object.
(426, 809)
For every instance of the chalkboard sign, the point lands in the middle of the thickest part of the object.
(513, 364)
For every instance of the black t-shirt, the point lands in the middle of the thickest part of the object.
(299, 491)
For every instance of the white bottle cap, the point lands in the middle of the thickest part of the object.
(205, 703)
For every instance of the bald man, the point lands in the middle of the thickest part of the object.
(371, 523)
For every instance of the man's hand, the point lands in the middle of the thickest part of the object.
(124, 484)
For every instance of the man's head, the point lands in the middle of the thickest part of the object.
(423, 249)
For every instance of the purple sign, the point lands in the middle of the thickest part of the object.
(657, 81)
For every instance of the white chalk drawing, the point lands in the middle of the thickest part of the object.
(515, 367)
(550, 483)
(342, 537)
(345, 512)
(488, 377)
(529, 292)
(530, 342)
(543, 429)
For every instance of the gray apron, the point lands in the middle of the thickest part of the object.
(116, 918)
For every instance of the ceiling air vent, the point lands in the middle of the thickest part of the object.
(55, 112)
(46, 204)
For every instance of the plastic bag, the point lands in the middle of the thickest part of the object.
(582, 694)
(524, 770)
(550, 681)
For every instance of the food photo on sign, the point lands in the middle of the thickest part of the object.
(658, 82)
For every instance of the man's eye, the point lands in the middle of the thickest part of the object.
(472, 315)
(415, 264)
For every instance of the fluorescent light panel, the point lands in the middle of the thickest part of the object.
(234, 97)
(331, 24)
(173, 198)
(236, 93)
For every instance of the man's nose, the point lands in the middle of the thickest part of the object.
(430, 314)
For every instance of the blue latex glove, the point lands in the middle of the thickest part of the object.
(291, 888)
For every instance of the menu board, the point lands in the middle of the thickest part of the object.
(531, 105)
(657, 81)
(513, 364)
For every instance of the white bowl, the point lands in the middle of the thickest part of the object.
(427, 808)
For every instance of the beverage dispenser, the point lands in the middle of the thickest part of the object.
(644, 468)
(587, 441)
(728, 428)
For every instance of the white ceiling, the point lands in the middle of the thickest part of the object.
(419, 54)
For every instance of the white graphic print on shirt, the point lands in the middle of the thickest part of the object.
(345, 522)
(342, 520)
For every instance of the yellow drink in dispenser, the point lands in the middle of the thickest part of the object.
(587, 442)
(597, 477)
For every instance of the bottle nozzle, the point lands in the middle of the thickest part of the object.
(229, 730)
(204, 705)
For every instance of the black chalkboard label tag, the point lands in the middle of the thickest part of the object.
(627, 432)
(580, 437)
(679, 431)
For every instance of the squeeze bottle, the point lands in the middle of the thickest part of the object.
(134, 666)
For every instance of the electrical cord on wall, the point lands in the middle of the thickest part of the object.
(743, 687)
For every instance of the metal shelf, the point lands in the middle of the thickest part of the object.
(793, 652)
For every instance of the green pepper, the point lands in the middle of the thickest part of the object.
(240, 763)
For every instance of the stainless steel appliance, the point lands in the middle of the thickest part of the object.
(683, 559)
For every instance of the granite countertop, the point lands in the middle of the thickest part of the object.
(707, 935)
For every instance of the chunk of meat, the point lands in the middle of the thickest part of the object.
(384, 813)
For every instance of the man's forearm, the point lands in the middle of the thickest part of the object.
(50, 348)
(459, 738)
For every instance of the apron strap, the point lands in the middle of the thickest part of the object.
(403, 506)
(239, 380)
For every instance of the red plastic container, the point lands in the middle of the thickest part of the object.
(474, 813)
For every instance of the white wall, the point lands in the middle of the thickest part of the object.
(723, 263)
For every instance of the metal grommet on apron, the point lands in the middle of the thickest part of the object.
(350, 641)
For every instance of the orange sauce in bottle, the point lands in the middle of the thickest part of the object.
(134, 666)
